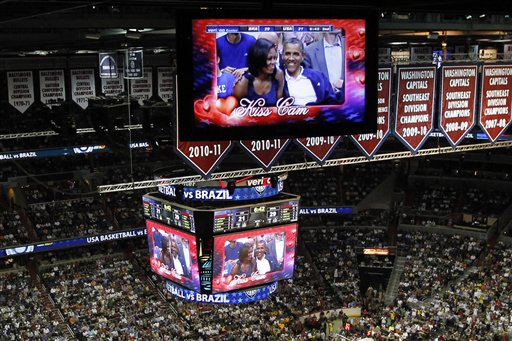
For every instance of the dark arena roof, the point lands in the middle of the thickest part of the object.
(397, 244)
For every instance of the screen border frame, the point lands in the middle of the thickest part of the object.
(294, 229)
(185, 121)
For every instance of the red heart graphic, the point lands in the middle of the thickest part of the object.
(200, 108)
(356, 53)
(226, 105)
(204, 108)
(360, 77)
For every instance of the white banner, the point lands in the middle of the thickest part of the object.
(83, 86)
(507, 51)
(52, 86)
(113, 86)
(165, 83)
(473, 52)
(20, 85)
(142, 88)
(384, 55)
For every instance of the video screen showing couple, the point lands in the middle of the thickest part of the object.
(253, 257)
(301, 68)
(261, 254)
(173, 254)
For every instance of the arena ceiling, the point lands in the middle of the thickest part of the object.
(65, 27)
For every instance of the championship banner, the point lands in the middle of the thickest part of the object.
(203, 156)
(113, 86)
(265, 152)
(52, 87)
(108, 64)
(507, 51)
(319, 147)
(370, 143)
(20, 87)
(415, 105)
(133, 64)
(384, 55)
(458, 101)
(142, 88)
(473, 52)
(83, 86)
(496, 101)
(165, 83)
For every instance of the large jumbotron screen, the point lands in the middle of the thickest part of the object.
(219, 93)
(253, 257)
(173, 254)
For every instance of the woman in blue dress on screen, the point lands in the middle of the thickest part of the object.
(245, 264)
(264, 79)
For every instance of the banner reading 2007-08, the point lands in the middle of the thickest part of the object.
(496, 103)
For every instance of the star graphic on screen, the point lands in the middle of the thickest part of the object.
(237, 197)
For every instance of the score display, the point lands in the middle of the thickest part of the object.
(252, 216)
(268, 28)
(167, 213)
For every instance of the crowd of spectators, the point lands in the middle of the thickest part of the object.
(109, 296)
(112, 296)
(69, 218)
(126, 208)
(12, 231)
(22, 313)
(106, 299)
(435, 203)
(335, 258)
(433, 261)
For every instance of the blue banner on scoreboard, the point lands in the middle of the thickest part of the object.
(236, 297)
(222, 194)
(326, 210)
(68, 243)
(66, 151)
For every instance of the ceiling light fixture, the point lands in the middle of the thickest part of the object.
(133, 35)
(433, 35)
(93, 36)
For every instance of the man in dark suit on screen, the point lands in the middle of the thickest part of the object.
(264, 262)
(327, 55)
(306, 86)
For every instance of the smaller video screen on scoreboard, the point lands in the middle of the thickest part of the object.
(173, 254)
(253, 257)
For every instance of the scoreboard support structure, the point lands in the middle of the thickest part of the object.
(223, 242)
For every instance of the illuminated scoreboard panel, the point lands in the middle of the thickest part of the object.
(268, 28)
(168, 214)
(255, 216)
